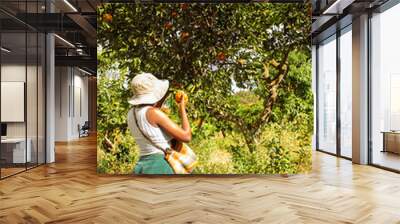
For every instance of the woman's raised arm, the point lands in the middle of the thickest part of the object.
(158, 118)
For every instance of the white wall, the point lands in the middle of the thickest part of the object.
(13, 73)
(62, 82)
(80, 110)
(34, 125)
(69, 112)
(10, 73)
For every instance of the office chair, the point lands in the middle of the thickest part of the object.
(84, 130)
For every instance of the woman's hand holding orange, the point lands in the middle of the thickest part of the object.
(181, 98)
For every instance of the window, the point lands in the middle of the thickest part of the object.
(346, 92)
(327, 95)
(385, 89)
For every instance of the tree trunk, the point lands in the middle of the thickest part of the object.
(251, 141)
(200, 123)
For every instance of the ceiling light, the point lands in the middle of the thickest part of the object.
(65, 41)
(5, 50)
(70, 5)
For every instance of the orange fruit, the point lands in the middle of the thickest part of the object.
(174, 14)
(181, 95)
(107, 17)
(184, 6)
(168, 25)
(221, 56)
(184, 35)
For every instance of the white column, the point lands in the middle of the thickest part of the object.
(360, 90)
(50, 110)
(50, 93)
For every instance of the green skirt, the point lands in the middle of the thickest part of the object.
(153, 164)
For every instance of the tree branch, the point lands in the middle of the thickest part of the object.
(273, 87)
(227, 117)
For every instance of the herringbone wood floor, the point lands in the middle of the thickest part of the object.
(70, 191)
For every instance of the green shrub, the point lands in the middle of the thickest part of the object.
(111, 124)
(281, 151)
(213, 158)
(119, 159)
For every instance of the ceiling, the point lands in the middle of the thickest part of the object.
(74, 22)
(331, 15)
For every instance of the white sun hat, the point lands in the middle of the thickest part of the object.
(147, 89)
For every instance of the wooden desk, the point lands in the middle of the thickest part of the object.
(391, 141)
(13, 150)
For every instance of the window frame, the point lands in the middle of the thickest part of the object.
(338, 33)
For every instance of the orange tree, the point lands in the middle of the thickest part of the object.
(214, 50)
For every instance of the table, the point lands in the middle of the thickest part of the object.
(13, 150)
(391, 141)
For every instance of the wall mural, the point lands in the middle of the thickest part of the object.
(204, 88)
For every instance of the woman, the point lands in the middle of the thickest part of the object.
(149, 94)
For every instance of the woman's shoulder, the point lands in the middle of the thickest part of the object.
(155, 116)
(154, 111)
(151, 109)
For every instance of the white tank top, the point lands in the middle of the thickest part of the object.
(156, 134)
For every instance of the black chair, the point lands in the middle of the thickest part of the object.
(84, 130)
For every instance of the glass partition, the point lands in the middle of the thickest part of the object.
(13, 94)
(385, 89)
(32, 97)
(22, 78)
(327, 95)
(346, 92)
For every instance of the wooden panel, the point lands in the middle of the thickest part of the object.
(392, 141)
